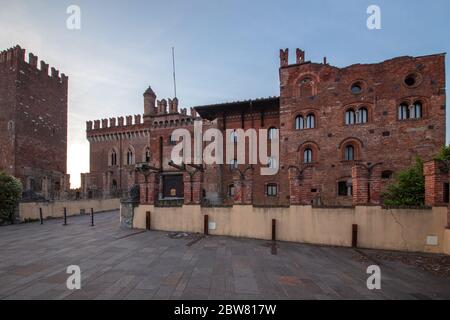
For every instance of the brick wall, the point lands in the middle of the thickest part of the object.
(33, 134)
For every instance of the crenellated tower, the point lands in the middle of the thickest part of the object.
(33, 106)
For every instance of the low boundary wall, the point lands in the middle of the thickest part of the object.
(55, 209)
(417, 230)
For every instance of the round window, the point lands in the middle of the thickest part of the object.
(410, 80)
(356, 88)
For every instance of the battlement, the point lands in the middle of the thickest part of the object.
(119, 122)
(15, 55)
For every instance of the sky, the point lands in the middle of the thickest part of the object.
(225, 50)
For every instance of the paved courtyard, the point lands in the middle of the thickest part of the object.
(130, 264)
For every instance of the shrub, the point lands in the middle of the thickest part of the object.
(409, 189)
(10, 194)
(444, 158)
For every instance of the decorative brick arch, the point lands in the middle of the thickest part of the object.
(304, 114)
(112, 151)
(306, 85)
(125, 155)
(412, 100)
(356, 106)
(357, 147)
(308, 145)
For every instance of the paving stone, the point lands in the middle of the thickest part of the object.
(123, 264)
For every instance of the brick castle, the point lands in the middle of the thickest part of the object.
(33, 122)
(344, 134)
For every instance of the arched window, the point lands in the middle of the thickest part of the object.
(349, 153)
(233, 136)
(403, 112)
(307, 156)
(113, 158)
(350, 117)
(147, 155)
(299, 123)
(272, 133)
(417, 110)
(272, 163)
(130, 157)
(362, 115)
(310, 121)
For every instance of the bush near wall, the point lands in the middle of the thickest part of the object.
(409, 190)
(10, 194)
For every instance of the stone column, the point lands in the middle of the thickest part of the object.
(360, 191)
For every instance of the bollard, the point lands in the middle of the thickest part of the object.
(92, 217)
(147, 220)
(354, 235)
(40, 216)
(274, 230)
(205, 224)
(65, 216)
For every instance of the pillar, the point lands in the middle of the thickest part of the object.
(434, 183)
(294, 183)
(360, 185)
(149, 190)
(375, 185)
(305, 186)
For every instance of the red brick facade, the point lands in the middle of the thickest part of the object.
(33, 122)
(344, 133)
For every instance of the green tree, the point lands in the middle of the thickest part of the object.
(10, 194)
(444, 158)
(409, 189)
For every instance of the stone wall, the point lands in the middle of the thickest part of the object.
(378, 228)
(55, 209)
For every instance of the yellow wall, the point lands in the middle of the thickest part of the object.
(396, 229)
(447, 242)
(55, 209)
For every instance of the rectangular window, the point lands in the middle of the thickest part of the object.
(272, 190)
(342, 189)
(446, 193)
(231, 190)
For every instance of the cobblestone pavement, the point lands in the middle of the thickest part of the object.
(130, 264)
